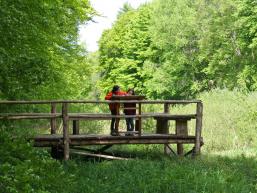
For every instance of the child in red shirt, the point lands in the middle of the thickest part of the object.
(114, 108)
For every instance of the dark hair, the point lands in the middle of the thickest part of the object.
(131, 89)
(115, 88)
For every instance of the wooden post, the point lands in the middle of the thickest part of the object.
(54, 149)
(198, 127)
(166, 128)
(139, 119)
(65, 119)
(166, 108)
(117, 120)
(181, 130)
(75, 127)
(53, 120)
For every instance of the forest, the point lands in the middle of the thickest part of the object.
(165, 50)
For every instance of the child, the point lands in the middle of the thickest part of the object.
(130, 111)
(114, 108)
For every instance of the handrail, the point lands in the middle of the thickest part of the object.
(103, 101)
(18, 116)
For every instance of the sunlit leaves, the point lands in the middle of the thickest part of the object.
(123, 50)
(39, 49)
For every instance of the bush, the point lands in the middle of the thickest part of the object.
(23, 168)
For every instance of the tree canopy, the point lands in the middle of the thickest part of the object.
(178, 48)
(39, 52)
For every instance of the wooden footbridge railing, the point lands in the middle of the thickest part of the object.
(162, 135)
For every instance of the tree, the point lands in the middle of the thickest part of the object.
(123, 50)
(247, 35)
(173, 49)
(39, 53)
(126, 7)
(175, 32)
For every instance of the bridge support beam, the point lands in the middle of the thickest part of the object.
(198, 128)
(65, 119)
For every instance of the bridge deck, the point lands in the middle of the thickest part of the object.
(57, 139)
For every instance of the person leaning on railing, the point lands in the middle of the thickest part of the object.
(130, 109)
(114, 107)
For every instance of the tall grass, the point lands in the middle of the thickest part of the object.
(230, 123)
(207, 174)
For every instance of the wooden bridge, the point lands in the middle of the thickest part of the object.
(67, 140)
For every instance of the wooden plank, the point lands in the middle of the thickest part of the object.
(198, 128)
(102, 102)
(29, 114)
(99, 155)
(47, 143)
(94, 115)
(105, 116)
(48, 140)
(29, 117)
(53, 120)
(109, 137)
(65, 130)
(174, 117)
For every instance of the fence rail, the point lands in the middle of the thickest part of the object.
(103, 102)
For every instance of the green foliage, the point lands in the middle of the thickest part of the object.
(123, 50)
(247, 32)
(39, 53)
(126, 7)
(185, 47)
(174, 31)
(25, 169)
(220, 44)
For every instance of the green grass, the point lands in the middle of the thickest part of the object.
(228, 162)
(206, 174)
